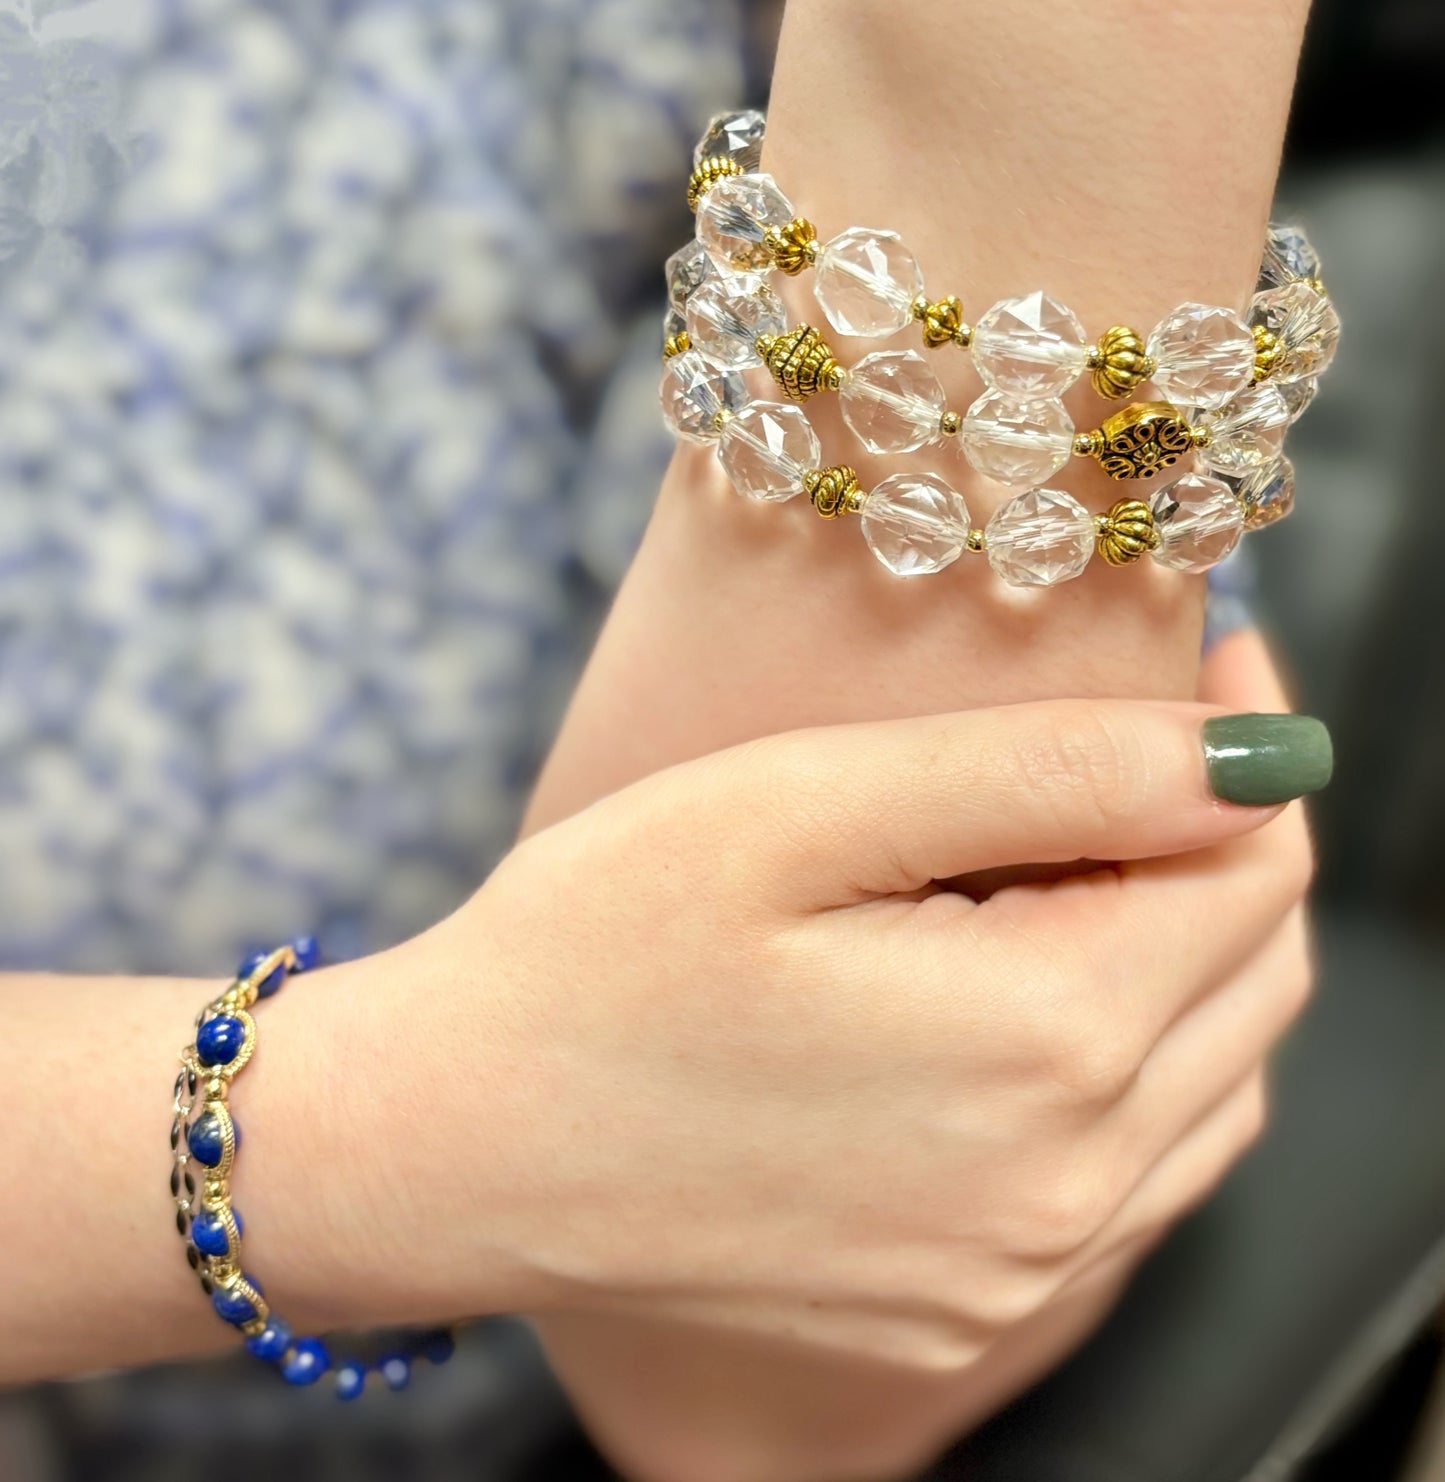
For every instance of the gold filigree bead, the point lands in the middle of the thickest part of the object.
(801, 362)
(942, 321)
(1127, 532)
(1119, 362)
(794, 246)
(1267, 353)
(676, 344)
(975, 540)
(709, 171)
(949, 424)
(1138, 441)
(833, 491)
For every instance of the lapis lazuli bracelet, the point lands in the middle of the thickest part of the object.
(224, 1043)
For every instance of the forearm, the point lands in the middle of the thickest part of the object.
(1120, 156)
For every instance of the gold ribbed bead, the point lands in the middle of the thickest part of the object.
(1267, 352)
(709, 171)
(1127, 532)
(794, 246)
(676, 344)
(833, 491)
(801, 362)
(1120, 362)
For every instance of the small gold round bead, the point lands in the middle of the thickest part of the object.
(709, 171)
(949, 424)
(963, 336)
(975, 540)
(1200, 437)
(919, 306)
(1088, 444)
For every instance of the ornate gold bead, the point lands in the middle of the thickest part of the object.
(1267, 353)
(1127, 532)
(942, 322)
(1120, 362)
(949, 424)
(794, 246)
(1137, 442)
(833, 491)
(676, 344)
(709, 171)
(801, 362)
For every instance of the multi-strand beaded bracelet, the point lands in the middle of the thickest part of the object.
(204, 1131)
(1229, 389)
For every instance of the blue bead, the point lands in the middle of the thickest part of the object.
(308, 953)
(219, 1040)
(268, 985)
(208, 1231)
(205, 1140)
(438, 1346)
(305, 1361)
(233, 1305)
(350, 1381)
(271, 1342)
(396, 1370)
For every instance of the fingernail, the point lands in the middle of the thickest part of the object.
(1256, 760)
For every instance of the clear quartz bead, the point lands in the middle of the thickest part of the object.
(1200, 521)
(1298, 395)
(1267, 493)
(1245, 433)
(673, 323)
(892, 401)
(915, 523)
(865, 281)
(1017, 442)
(1031, 347)
(738, 135)
(766, 449)
(1287, 256)
(733, 219)
(686, 270)
(727, 314)
(1039, 538)
(1306, 325)
(1203, 355)
(697, 397)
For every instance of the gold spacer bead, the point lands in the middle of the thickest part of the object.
(949, 424)
(676, 344)
(1267, 353)
(709, 171)
(252, 1326)
(793, 247)
(1119, 362)
(216, 1088)
(975, 540)
(942, 321)
(216, 1191)
(1089, 444)
(800, 361)
(833, 491)
(919, 306)
(1126, 533)
(1200, 437)
(963, 336)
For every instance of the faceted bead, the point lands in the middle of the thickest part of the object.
(305, 1361)
(1031, 347)
(1017, 442)
(738, 135)
(1306, 325)
(1246, 432)
(1298, 395)
(865, 281)
(350, 1381)
(271, 1342)
(733, 220)
(1039, 538)
(1203, 355)
(396, 1370)
(1287, 256)
(726, 315)
(232, 1304)
(219, 1040)
(1199, 521)
(767, 448)
(274, 979)
(1267, 494)
(686, 270)
(915, 523)
(208, 1232)
(694, 392)
(673, 324)
(892, 401)
(308, 953)
(205, 1139)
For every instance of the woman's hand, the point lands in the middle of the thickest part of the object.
(721, 1049)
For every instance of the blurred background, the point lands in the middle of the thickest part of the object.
(328, 356)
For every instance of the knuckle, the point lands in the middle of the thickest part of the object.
(1094, 1060)
(939, 1349)
(1066, 1210)
(1088, 764)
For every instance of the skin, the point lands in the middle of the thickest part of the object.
(1123, 157)
(963, 1146)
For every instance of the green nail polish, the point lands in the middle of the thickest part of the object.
(1256, 760)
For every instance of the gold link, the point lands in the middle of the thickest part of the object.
(793, 247)
(1127, 532)
(800, 361)
(1119, 362)
(709, 171)
(833, 491)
